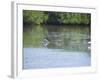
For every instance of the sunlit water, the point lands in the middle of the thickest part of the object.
(56, 46)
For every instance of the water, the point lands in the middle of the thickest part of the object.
(52, 46)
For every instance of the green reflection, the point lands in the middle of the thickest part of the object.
(70, 38)
(34, 36)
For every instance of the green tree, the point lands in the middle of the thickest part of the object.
(35, 17)
(85, 18)
(74, 18)
(42, 17)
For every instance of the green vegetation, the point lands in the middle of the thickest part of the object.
(44, 17)
(35, 17)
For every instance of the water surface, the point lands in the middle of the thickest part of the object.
(52, 46)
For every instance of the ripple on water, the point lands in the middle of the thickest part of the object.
(50, 58)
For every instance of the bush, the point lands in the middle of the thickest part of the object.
(42, 17)
(35, 17)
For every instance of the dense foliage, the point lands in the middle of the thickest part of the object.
(35, 17)
(44, 17)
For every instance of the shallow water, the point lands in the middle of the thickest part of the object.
(50, 58)
(56, 46)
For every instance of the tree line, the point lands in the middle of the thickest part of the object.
(45, 17)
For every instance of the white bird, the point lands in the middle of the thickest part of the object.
(89, 46)
(45, 42)
(89, 42)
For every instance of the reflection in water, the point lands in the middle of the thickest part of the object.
(71, 38)
(61, 38)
